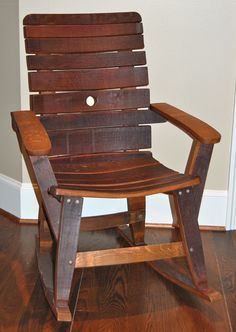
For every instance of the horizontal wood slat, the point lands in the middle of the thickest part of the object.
(100, 18)
(88, 79)
(129, 255)
(126, 192)
(50, 31)
(133, 174)
(100, 140)
(76, 101)
(83, 45)
(101, 162)
(90, 60)
(120, 174)
(99, 119)
(110, 220)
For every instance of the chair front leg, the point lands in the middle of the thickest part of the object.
(66, 254)
(187, 214)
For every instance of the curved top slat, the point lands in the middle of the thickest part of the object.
(102, 18)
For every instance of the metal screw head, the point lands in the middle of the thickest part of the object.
(70, 262)
(77, 201)
(191, 249)
(68, 200)
(180, 193)
(187, 191)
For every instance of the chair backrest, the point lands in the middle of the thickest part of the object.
(88, 75)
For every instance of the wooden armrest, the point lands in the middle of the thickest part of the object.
(32, 133)
(194, 127)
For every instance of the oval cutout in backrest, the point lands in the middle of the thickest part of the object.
(90, 101)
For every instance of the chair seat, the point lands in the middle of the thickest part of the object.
(120, 174)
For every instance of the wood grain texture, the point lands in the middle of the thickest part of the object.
(128, 255)
(85, 61)
(95, 56)
(66, 255)
(105, 100)
(119, 174)
(94, 140)
(95, 30)
(33, 135)
(98, 119)
(83, 45)
(108, 298)
(138, 228)
(88, 79)
(98, 18)
(110, 221)
(46, 178)
(194, 127)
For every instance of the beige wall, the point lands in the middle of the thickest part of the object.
(191, 48)
(10, 164)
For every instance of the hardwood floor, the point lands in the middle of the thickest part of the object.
(124, 298)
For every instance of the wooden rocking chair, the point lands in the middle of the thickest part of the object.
(86, 136)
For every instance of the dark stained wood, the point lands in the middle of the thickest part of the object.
(110, 220)
(99, 140)
(88, 79)
(77, 30)
(85, 61)
(108, 298)
(225, 248)
(178, 272)
(146, 188)
(103, 18)
(98, 119)
(66, 255)
(114, 174)
(100, 156)
(138, 228)
(83, 45)
(189, 230)
(45, 177)
(194, 127)
(104, 101)
(198, 164)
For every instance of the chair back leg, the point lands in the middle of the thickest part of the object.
(137, 204)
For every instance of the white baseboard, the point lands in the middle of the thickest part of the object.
(19, 199)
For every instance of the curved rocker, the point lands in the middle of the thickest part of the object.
(75, 149)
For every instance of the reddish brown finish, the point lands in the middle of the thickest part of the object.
(33, 135)
(99, 140)
(75, 149)
(98, 119)
(115, 298)
(138, 228)
(83, 45)
(82, 30)
(105, 100)
(66, 254)
(103, 18)
(86, 61)
(194, 127)
(88, 79)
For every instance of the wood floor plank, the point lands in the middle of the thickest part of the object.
(225, 246)
(118, 298)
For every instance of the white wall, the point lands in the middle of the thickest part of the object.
(10, 163)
